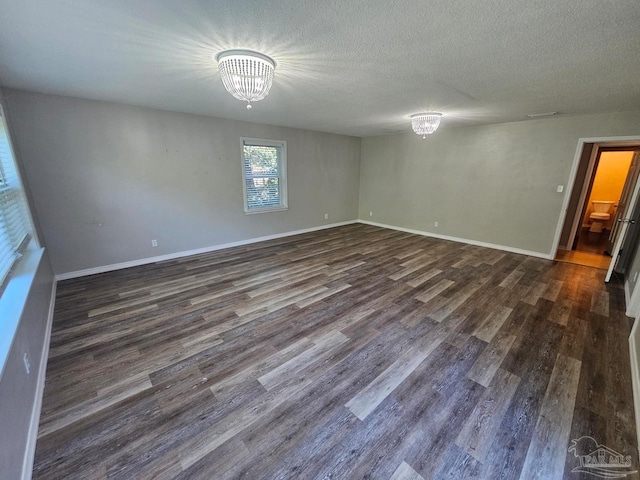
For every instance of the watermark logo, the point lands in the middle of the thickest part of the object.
(599, 460)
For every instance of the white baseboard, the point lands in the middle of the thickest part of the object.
(632, 301)
(32, 437)
(635, 374)
(461, 240)
(172, 256)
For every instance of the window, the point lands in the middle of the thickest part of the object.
(264, 172)
(15, 223)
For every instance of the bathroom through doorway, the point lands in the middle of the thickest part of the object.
(603, 202)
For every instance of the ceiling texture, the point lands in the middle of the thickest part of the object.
(344, 66)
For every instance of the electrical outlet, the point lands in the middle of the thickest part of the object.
(326, 216)
(154, 243)
(435, 224)
(27, 363)
(560, 188)
(371, 214)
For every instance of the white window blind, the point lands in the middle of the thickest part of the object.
(15, 226)
(264, 174)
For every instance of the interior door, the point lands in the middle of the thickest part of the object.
(623, 210)
(623, 221)
(630, 243)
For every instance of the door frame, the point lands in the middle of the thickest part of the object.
(599, 142)
(623, 212)
(587, 183)
(628, 213)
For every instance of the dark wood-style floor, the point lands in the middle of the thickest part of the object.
(590, 250)
(354, 352)
(592, 242)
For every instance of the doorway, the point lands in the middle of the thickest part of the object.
(600, 207)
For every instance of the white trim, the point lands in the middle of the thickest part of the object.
(632, 300)
(14, 299)
(635, 376)
(633, 310)
(262, 142)
(625, 141)
(32, 436)
(460, 240)
(266, 210)
(586, 182)
(172, 256)
(611, 142)
(622, 233)
(282, 169)
(32, 227)
(567, 196)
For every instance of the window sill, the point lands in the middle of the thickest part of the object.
(14, 299)
(265, 210)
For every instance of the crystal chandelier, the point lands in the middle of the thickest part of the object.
(245, 74)
(425, 123)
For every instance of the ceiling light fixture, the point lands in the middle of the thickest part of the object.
(425, 123)
(246, 75)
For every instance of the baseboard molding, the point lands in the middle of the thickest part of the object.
(635, 374)
(461, 240)
(32, 437)
(632, 300)
(187, 253)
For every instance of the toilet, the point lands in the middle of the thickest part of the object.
(601, 214)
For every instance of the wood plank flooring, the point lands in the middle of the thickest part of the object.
(590, 250)
(353, 352)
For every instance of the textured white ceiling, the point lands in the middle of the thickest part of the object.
(345, 66)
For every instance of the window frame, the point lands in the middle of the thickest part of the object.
(20, 279)
(14, 182)
(282, 174)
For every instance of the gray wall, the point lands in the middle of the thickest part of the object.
(494, 184)
(107, 179)
(17, 388)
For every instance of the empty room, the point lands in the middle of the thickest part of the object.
(319, 240)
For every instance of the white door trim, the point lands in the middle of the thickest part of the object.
(577, 221)
(627, 141)
(623, 231)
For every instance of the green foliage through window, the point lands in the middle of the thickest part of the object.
(263, 173)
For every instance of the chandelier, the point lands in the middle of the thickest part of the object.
(245, 74)
(425, 123)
